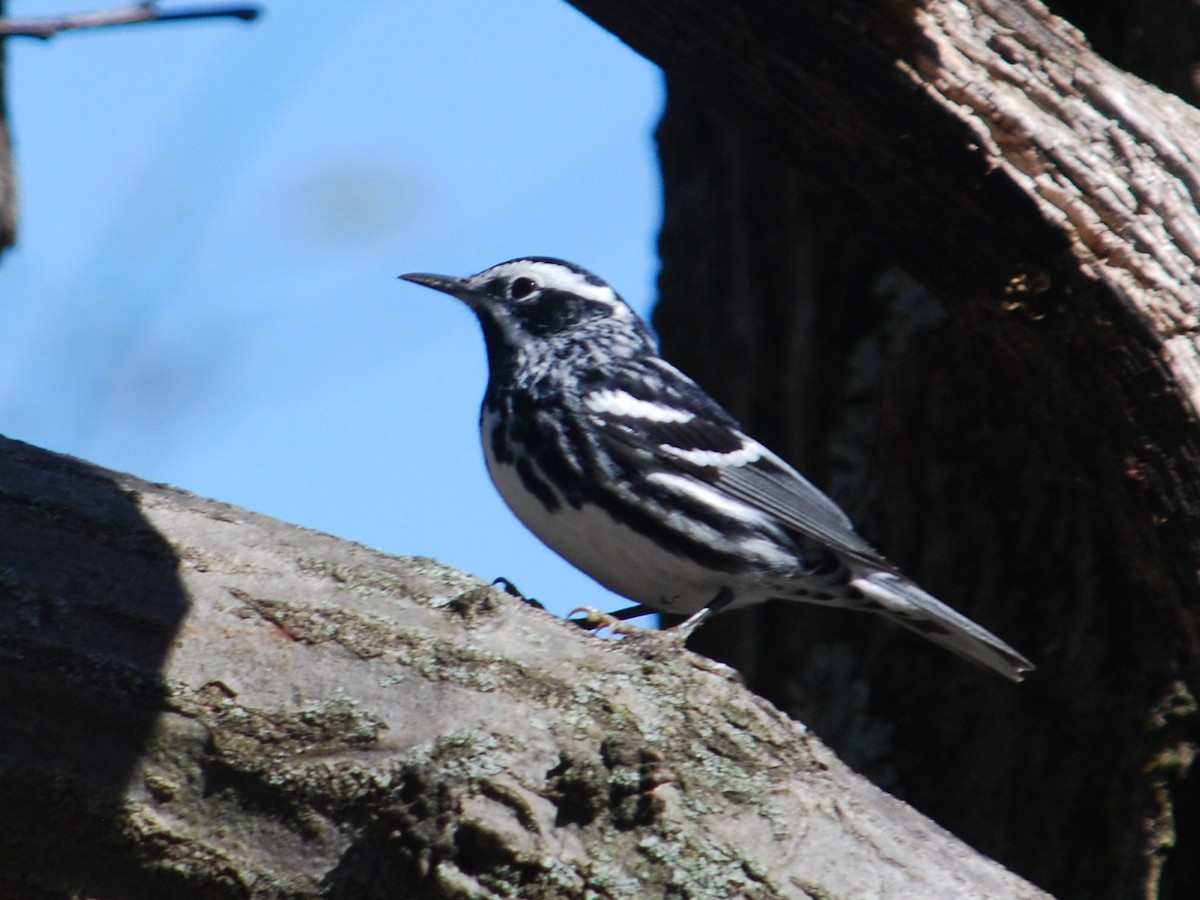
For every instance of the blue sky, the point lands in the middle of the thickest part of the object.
(213, 216)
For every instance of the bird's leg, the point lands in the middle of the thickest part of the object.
(670, 638)
(633, 612)
(594, 619)
(685, 628)
(681, 632)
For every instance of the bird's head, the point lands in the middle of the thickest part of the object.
(541, 306)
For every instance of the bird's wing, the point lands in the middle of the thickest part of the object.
(672, 422)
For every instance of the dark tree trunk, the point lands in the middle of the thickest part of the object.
(944, 257)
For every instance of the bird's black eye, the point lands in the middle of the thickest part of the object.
(521, 288)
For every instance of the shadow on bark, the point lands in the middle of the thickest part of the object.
(82, 569)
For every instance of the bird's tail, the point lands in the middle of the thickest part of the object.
(903, 602)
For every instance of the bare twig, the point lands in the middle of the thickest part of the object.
(47, 27)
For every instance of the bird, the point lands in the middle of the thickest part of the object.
(628, 469)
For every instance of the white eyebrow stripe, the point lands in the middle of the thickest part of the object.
(553, 277)
(750, 451)
(625, 405)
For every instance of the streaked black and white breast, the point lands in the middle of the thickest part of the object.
(624, 466)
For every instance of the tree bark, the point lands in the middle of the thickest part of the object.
(1004, 341)
(197, 701)
(944, 256)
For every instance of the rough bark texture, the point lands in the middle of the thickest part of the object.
(1158, 40)
(171, 667)
(1026, 445)
(197, 701)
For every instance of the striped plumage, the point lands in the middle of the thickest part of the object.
(624, 466)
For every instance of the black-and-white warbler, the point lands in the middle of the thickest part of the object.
(624, 466)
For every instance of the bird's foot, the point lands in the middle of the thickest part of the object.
(513, 591)
(597, 620)
(671, 643)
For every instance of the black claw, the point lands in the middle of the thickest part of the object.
(513, 591)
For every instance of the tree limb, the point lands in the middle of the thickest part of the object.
(200, 701)
(8, 175)
(46, 27)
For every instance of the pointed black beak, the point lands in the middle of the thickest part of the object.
(447, 284)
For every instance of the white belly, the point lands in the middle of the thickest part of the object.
(612, 553)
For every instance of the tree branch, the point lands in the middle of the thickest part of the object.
(200, 701)
(47, 27)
